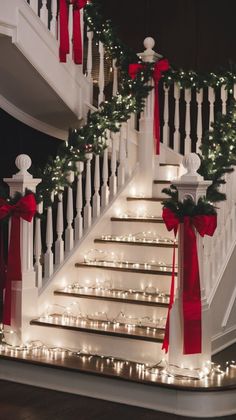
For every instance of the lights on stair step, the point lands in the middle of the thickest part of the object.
(140, 237)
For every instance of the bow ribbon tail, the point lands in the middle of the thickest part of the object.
(64, 31)
(77, 38)
(192, 310)
(13, 267)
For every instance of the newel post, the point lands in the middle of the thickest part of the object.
(25, 292)
(146, 141)
(191, 184)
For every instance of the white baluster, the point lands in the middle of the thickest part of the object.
(224, 97)
(90, 61)
(115, 78)
(122, 156)
(101, 77)
(44, 13)
(59, 244)
(211, 99)
(53, 23)
(177, 132)
(79, 203)
(87, 207)
(105, 189)
(48, 256)
(187, 141)
(113, 177)
(96, 195)
(235, 91)
(166, 131)
(34, 5)
(69, 233)
(199, 97)
(38, 247)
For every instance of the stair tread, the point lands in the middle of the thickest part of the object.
(135, 242)
(116, 369)
(128, 267)
(103, 328)
(127, 297)
(153, 219)
(155, 199)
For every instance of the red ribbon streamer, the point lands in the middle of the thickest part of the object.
(25, 208)
(64, 31)
(192, 311)
(159, 67)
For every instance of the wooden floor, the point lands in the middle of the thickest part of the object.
(22, 402)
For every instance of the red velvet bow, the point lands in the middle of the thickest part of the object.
(25, 208)
(159, 67)
(64, 31)
(192, 311)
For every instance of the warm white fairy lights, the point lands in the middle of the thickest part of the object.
(140, 237)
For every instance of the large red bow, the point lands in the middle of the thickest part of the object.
(25, 208)
(192, 311)
(64, 31)
(159, 67)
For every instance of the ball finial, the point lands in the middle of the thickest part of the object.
(191, 163)
(149, 43)
(23, 163)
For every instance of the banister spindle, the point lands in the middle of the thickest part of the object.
(59, 244)
(105, 189)
(101, 77)
(176, 121)
(96, 195)
(44, 13)
(69, 232)
(79, 203)
(113, 177)
(122, 155)
(166, 131)
(187, 141)
(234, 91)
(34, 6)
(224, 97)
(48, 256)
(211, 99)
(53, 23)
(115, 78)
(87, 207)
(90, 60)
(38, 247)
(199, 98)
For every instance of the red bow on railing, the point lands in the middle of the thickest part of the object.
(64, 31)
(25, 209)
(159, 67)
(192, 311)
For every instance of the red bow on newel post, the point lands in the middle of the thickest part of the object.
(24, 209)
(64, 30)
(159, 67)
(191, 304)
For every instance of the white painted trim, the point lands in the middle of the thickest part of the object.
(217, 346)
(229, 309)
(180, 402)
(31, 121)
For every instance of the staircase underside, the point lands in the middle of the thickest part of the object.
(125, 382)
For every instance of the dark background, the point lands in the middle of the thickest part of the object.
(192, 34)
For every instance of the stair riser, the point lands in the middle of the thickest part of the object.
(157, 190)
(130, 349)
(122, 279)
(142, 207)
(124, 228)
(167, 172)
(137, 252)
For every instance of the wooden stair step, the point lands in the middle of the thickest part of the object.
(138, 219)
(127, 267)
(135, 242)
(155, 335)
(118, 296)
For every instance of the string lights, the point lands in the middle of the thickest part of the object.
(141, 237)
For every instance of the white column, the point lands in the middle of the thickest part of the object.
(177, 123)
(199, 97)
(88, 193)
(24, 293)
(166, 131)
(79, 203)
(187, 141)
(96, 195)
(69, 233)
(59, 244)
(211, 99)
(191, 184)
(101, 77)
(105, 189)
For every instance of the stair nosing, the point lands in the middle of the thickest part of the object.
(138, 219)
(125, 269)
(123, 242)
(111, 299)
(163, 181)
(154, 199)
(87, 330)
